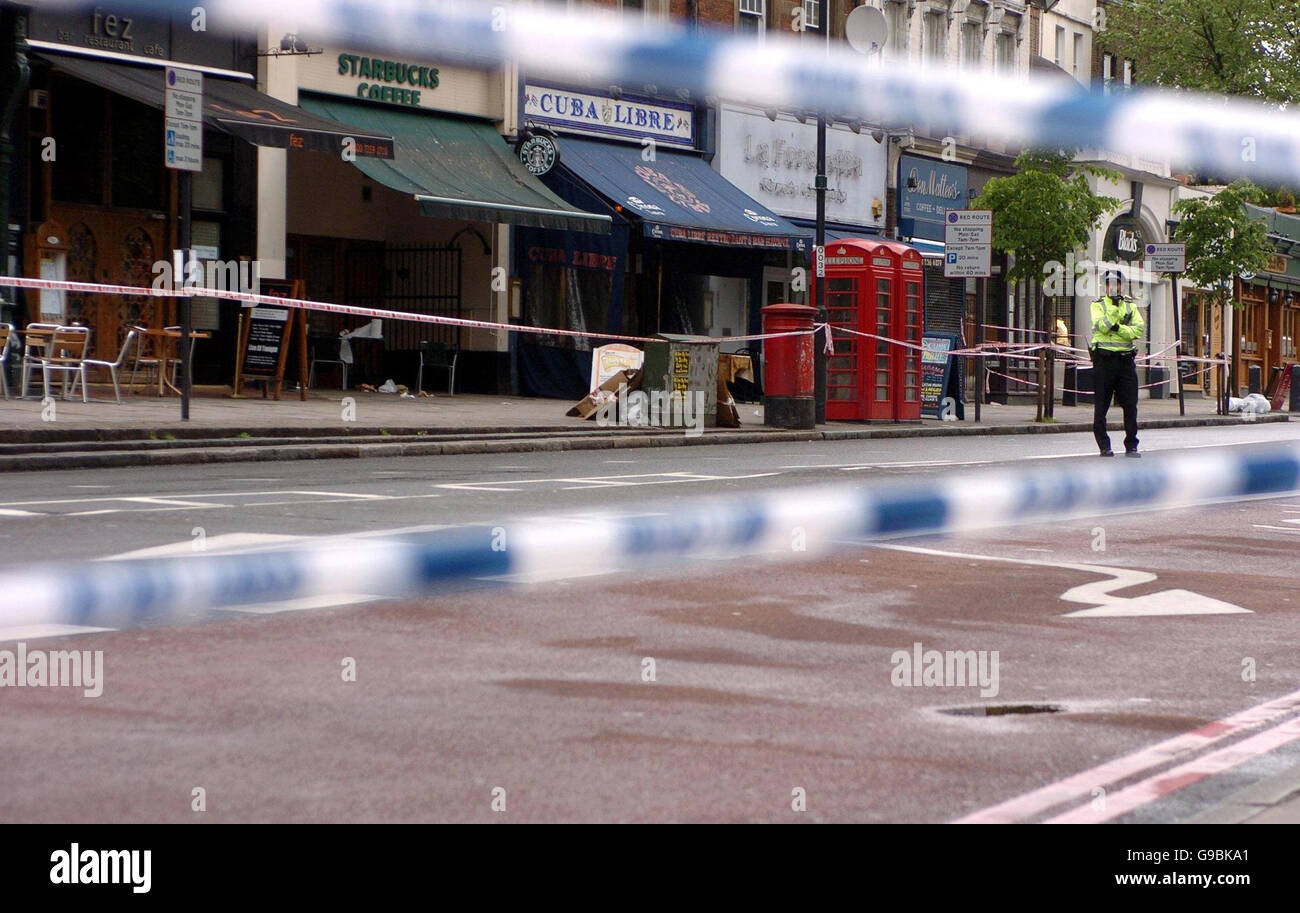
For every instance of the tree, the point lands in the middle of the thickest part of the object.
(1042, 214)
(1234, 47)
(1222, 240)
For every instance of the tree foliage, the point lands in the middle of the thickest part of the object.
(1222, 239)
(1235, 47)
(1044, 211)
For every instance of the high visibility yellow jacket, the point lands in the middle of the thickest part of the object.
(1116, 324)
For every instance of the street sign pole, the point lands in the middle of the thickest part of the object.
(1178, 346)
(1172, 259)
(183, 152)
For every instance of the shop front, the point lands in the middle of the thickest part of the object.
(95, 177)
(927, 189)
(1268, 320)
(427, 231)
(688, 252)
(772, 157)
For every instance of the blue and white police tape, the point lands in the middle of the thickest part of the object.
(1204, 134)
(790, 523)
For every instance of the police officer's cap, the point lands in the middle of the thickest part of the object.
(1110, 277)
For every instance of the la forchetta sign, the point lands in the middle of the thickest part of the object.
(630, 118)
(775, 162)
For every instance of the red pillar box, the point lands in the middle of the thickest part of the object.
(789, 400)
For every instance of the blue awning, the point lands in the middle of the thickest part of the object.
(677, 196)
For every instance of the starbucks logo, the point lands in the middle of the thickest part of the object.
(538, 153)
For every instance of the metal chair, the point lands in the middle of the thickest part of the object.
(6, 333)
(35, 345)
(437, 355)
(112, 366)
(321, 348)
(67, 354)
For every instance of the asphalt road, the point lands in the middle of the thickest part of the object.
(768, 679)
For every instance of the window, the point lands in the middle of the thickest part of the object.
(812, 14)
(972, 43)
(634, 8)
(1107, 72)
(936, 37)
(1006, 51)
(1078, 53)
(750, 16)
(1060, 47)
(1128, 73)
(896, 18)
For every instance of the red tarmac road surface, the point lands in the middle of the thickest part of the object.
(768, 678)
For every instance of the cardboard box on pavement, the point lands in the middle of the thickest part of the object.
(587, 406)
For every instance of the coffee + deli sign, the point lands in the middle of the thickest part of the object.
(402, 81)
(392, 81)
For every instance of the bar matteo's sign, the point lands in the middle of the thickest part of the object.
(631, 118)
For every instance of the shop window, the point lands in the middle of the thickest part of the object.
(138, 170)
(1290, 330)
(80, 128)
(207, 188)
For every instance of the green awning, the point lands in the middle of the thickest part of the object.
(456, 169)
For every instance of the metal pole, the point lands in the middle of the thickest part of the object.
(1178, 347)
(183, 234)
(13, 63)
(980, 367)
(819, 298)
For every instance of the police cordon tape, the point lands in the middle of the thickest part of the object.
(1202, 134)
(249, 299)
(820, 519)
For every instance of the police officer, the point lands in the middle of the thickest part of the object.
(1116, 326)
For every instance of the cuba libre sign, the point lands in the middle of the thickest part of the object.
(1124, 240)
(599, 114)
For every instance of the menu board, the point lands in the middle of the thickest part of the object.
(936, 371)
(264, 334)
(268, 335)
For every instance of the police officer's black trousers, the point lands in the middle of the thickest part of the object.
(1114, 374)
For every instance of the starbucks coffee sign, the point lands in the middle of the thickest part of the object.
(1124, 240)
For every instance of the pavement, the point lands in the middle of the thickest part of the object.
(766, 677)
(147, 430)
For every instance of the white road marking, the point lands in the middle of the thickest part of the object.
(1099, 593)
(650, 478)
(35, 632)
(307, 603)
(226, 543)
(7, 512)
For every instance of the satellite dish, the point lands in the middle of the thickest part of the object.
(866, 29)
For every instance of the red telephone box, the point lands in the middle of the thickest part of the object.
(874, 286)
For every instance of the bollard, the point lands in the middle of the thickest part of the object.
(1294, 405)
(1256, 375)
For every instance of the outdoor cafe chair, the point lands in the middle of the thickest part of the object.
(66, 354)
(36, 342)
(113, 366)
(6, 333)
(437, 355)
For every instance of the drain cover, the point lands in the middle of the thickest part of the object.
(1002, 709)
